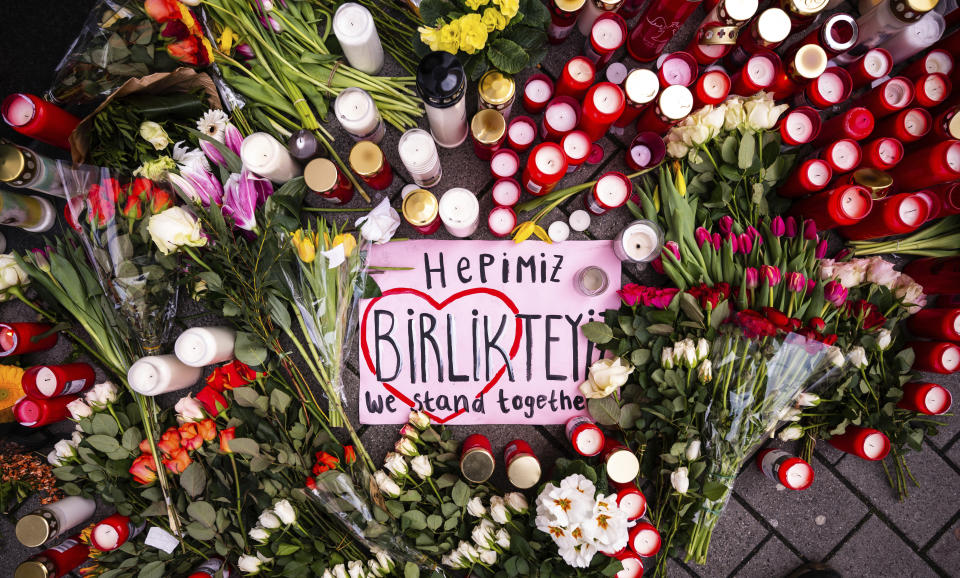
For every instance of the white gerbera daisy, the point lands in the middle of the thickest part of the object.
(213, 123)
(191, 158)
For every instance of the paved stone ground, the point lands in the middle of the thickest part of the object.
(850, 518)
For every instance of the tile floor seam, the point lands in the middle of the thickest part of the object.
(850, 534)
(557, 444)
(770, 527)
(939, 533)
(949, 445)
(942, 454)
(750, 555)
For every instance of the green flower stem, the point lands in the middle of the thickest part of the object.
(236, 481)
(555, 198)
(115, 418)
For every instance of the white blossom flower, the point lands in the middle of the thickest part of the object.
(577, 555)
(808, 400)
(340, 571)
(693, 450)
(77, 436)
(705, 371)
(249, 564)
(703, 348)
(284, 510)
(62, 450)
(666, 358)
(192, 159)
(154, 134)
(503, 539)
(79, 409)
(102, 395)
(422, 466)
(488, 557)
(835, 356)
(395, 464)
(475, 507)
(189, 409)
(677, 149)
(761, 112)
(790, 433)
(269, 520)
(858, 357)
(386, 484)
(517, 502)
(213, 124)
(259, 533)
(483, 534)
(467, 550)
(689, 356)
(498, 510)
(419, 420)
(406, 447)
(605, 377)
(454, 559)
(884, 339)
(174, 228)
(11, 274)
(356, 569)
(679, 480)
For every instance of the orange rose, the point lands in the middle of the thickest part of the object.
(145, 447)
(178, 461)
(225, 436)
(207, 429)
(349, 455)
(190, 438)
(162, 10)
(144, 470)
(169, 441)
(160, 200)
(328, 460)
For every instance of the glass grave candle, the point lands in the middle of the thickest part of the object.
(563, 17)
(677, 68)
(873, 66)
(38, 119)
(856, 124)
(324, 178)
(501, 221)
(865, 443)
(909, 125)
(611, 191)
(56, 561)
(811, 176)
(800, 126)
(936, 60)
(521, 133)
(156, 374)
(267, 157)
(882, 153)
(932, 203)
(882, 22)
(607, 35)
(732, 12)
(946, 126)
(460, 212)
(843, 155)
(640, 242)
(837, 34)
(891, 96)
(30, 412)
(646, 150)
(937, 275)
(546, 165)
(506, 192)
(476, 459)
(442, 82)
(935, 356)
(584, 435)
(488, 130)
(203, 346)
(766, 31)
(712, 87)
(659, 22)
(358, 115)
(356, 31)
(23, 168)
(211, 568)
(632, 501)
(604, 103)
(537, 92)
(577, 77)
(842, 206)
(803, 11)
(931, 90)
(561, 116)
(113, 531)
(916, 37)
(948, 195)
(576, 147)
(788, 470)
(25, 337)
(644, 539)
(673, 105)
(640, 88)
(523, 467)
(632, 565)
(799, 66)
(47, 381)
(27, 212)
(936, 323)
(369, 163)
(759, 73)
(304, 146)
(830, 88)
(929, 166)
(926, 398)
(712, 41)
(504, 164)
(894, 215)
(622, 464)
(421, 209)
(593, 9)
(418, 153)
(496, 91)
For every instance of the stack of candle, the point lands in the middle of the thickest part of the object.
(49, 389)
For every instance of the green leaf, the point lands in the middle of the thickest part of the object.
(507, 56)
(414, 520)
(193, 480)
(202, 512)
(729, 149)
(605, 410)
(155, 569)
(640, 357)
(198, 531)
(714, 491)
(244, 446)
(660, 329)
(249, 350)
(287, 549)
(411, 570)
(246, 396)
(279, 400)
(460, 493)
(104, 424)
(597, 332)
(105, 444)
(690, 307)
(535, 14)
(131, 438)
(629, 414)
(434, 521)
(431, 11)
(748, 149)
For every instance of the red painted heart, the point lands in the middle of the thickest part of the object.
(518, 334)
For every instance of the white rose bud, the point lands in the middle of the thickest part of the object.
(858, 357)
(482, 534)
(690, 356)
(680, 481)
(884, 339)
(808, 400)
(791, 414)
(340, 571)
(154, 134)
(475, 507)
(269, 520)
(498, 510)
(260, 534)
(408, 431)
(488, 557)
(503, 538)
(189, 409)
(693, 450)
(422, 466)
(174, 228)
(605, 377)
(356, 569)
(102, 395)
(467, 550)
(62, 450)
(406, 447)
(666, 358)
(791, 433)
(286, 513)
(79, 409)
(395, 464)
(836, 356)
(11, 274)
(705, 371)
(419, 420)
(703, 348)
(327, 574)
(386, 484)
(77, 436)
(248, 564)
(383, 559)
(516, 502)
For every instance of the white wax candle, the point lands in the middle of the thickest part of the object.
(506, 193)
(607, 99)
(640, 155)
(888, 150)
(830, 87)
(549, 160)
(46, 381)
(579, 220)
(953, 157)
(460, 212)
(646, 542)
(676, 70)
(612, 190)
(876, 63)
(202, 346)
(799, 127)
(71, 511)
(715, 84)
(632, 505)
(558, 231)
(356, 31)
(266, 156)
(358, 114)
(897, 93)
(951, 358)
(676, 102)
(590, 441)
(538, 91)
(915, 37)
(938, 61)
(501, 221)
(503, 164)
(522, 133)
(105, 536)
(910, 211)
(449, 125)
(632, 568)
(158, 374)
(640, 241)
(873, 445)
(607, 34)
(761, 71)
(616, 72)
(642, 86)
(19, 111)
(937, 400)
(845, 156)
(934, 88)
(576, 146)
(741, 10)
(915, 122)
(799, 475)
(818, 173)
(580, 69)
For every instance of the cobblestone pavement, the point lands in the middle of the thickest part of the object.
(849, 518)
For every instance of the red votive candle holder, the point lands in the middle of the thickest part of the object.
(677, 68)
(584, 435)
(562, 116)
(46, 381)
(546, 165)
(324, 178)
(863, 442)
(936, 323)
(882, 153)
(758, 74)
(603, 105)
(843, 155)
(112, 532)
(506, 192)
(856, 123)
(646, 150)
(948, 195)
(932, 202)
(537, 92)
(705, 47)
(523, 467)
(20, 338)
(931, 90)
(946, 126)
(632, 501)
(926, 398)
(935, 356)
(766, 31)
(929, 166)
(937, 275)
(790, 471)
(576, 147)
(38, 119)
(894, 215)
(521, 133)
(712, 87)
(504, 164)
(800, 126)
(476, 458)
(501, 221)
(577, 77)
(611, 191)
(657, 25)
(644, 539)
(608, 34)
(874, 65)
(632, 564)
(640, 88)
(838, 207)
(673, 105)
(837, 34)
(811, 176)
(830, 88)
(31, 412)
(563, 17)
(893, 95)
(936, 60)
(908, 125)
(800, 66)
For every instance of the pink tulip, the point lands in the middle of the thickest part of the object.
(673, 247)
(821, 249)
(726, 224)
(835, 293)
(752, 277)
(791, 227)
(796, 282)
(716, 241)
(810, 230)
(777, 227)
(702, 236)
(746, 244)
(771, 274)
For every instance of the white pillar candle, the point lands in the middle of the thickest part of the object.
(538, 91)
(819, 173)
(506, 192)
(646, 542)
(501, 221)
(799, 127)
(846, 155)
(641, 155)
(356, 31)
(561, 117)
(504, 164)
(418, 153)
(911, 209)
(613, 190)
(937, 400)
(576, 145)
(158, 374)
(266, 156)
(830, 87)
(579, 220)
(761, 71)
(607, 98)
(522, 133)
(874, 445)
(916, 123)
(916, 37)
(358, 115)
(934, 89)
(633, 505)
(951, 359)
(460, 212)
(203, 346)
(558, 231)
(607, 34)
(53, 519)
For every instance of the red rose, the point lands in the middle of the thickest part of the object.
(754, 325)
(178, 461)
(132, 208)
(102, 202)
(169, 441)
(207, 429)
(175, 29)
(160, 200)
(190, 438)
(349, 455)
(212, 400)
(817, 324)
(632, 293)
(829, 339)
(144, 470)
(777, 318)
(868, 312)
(162, 10)
(187, 50)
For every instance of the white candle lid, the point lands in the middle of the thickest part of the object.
(558, 231)
(616, 72)
(676, 102)
(459, 207)
(774, 25)
(579, 220)
(623, 466)
(524, 471)
(741, 10)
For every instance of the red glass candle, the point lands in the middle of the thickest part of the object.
(537, 92)
(501, 221)
(563, 17)
(936, 60)
(677, 68)
(760, 73)
(476, 458)
(632, 501)
(712, 87)
(874, 65)
(843, 155)
(673, 105)
(640, 88)
(657, 25)
(608, 34)
(603, 105)
(800, 126)
(711, 42)
(882, 153)
(811, 176)
(210, 568)
(791, 471)
(506, 192)
(908, 125)
(576, 147)
(946, 126)
(931, 90)
(856, 124)
(112, 532)
(488, 131)
(523, 467)
(632, 564)
(324, 178)
(368, 161)
(766, 31)
(521, 133)
(937, 275)
(894, 215)
(844, 205)
(893, 95)
(932, 203)
(936, 323)
(866, 443)
(38, 119)
(57, 561)
(504, 164)
(421, 209)
(644, 539)
(20, 338)
(836, 35)
(935, 356)
(577, 77)
(830, 88)
(31, 412)
(562, 116)
(799, 66)
(930, 166)
(611, 191)
(46, 381)
(646, 150)
(584, 435)
(926, 398)
(545, 167)
(622, 464)
(948, 195)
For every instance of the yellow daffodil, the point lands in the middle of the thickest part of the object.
(473, 33)
(509, 8)
(523, 231)
(476, 4)
(347, 240)
(306, 244)
(227, 40)
(450, 37)
(493, 19)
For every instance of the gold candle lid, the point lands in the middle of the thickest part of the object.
(34, 529)
(953, 126)
(569, 6)
(13, 164)
(607, 5)
(912, 10)
(477, 465)
(713, 35)
(32, 569)
(366, 158)
(497, 87)
(641, 86)
(876, 181)
(488, 126)
(420, 208)
(809, 61)
(320, 175)
(804, 8)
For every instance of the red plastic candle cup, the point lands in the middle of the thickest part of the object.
(799, 66)
(800, 126)
(837, 34)
(768, 30)
(632, 501)
(856, 123)
(506, 192)
(632, 564)
(46, 381)
(926, 398)
(577, 77)
(576, 147)
(936, 60)
(712, 87)
(523, 467)
(936, 323)
(501, 221)
(937, 275)
(932, 202)
(604, 103)
(948, 195)
(758, 74)
(830, 88)
(677, 68)
(843, 155)
(811, 176)
(640, 89)
(38, 119)
(657, 25)
(622, 464)
(791, 471)
(644, 539)
(18, 338)
(930, 166)
(704, 46)
(838, 207)
(504, 164)
(521, 133)
(537, 92)
(894, 215)
(608, 34)
(882, 153)
(935, 356)
(611, 191)
(874, 65)
(56, 561)
(931, 90)
(946, 126)
(908, 125)
(476, 458)
(584, 435)
(562, 116)
(31, 412)
(546, 165)
(563, 17)
(646, 150)
(893, 95)
(863, 442)
(673, 105)
(112, 532)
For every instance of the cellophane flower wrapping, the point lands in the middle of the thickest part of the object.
(757, 377)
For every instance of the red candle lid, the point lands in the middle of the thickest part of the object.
(596, 154)
(858, 123)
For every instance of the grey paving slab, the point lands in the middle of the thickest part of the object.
(876, 551)
(735, 536)
(772, 560)
(945, 552)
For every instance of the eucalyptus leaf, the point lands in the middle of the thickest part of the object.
(597, 332)
(605, 410)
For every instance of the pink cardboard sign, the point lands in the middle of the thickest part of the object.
(480, 332)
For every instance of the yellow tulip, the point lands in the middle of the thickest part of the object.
(523, 231)
(348, 242)
(680, 182)
(656, 199)
(306, 245)
(227, 39)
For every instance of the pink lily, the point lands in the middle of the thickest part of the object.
(197, 185)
